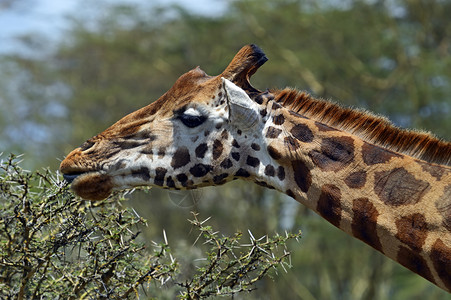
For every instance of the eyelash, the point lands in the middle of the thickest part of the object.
(192, 121)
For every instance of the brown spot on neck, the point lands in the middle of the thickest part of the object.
(160, 174)
(291, 143)
(322, 127)
(434, 170)
(398, 187)
(376, 155)
(441, 258)
(412, 231)
(413, 261)
(329, 204)
(273, 132)
(279, 119)
(335, 153)
(274, 153)
(301, 175)
(302, 132)
(364, 222)
(356, 180)
(444, 207)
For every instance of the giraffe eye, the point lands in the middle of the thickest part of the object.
(191, 118)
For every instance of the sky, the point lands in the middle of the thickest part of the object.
(48, 16)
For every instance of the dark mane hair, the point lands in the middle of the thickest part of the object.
(371, 128)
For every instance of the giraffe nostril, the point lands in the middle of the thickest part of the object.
(86, 145)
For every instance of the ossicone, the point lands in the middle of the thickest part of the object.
(244, 65)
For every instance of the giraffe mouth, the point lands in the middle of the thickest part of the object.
(71, 177)
(91, 185)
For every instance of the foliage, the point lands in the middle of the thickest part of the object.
(53, 245)
(56, 246)
(233, 267)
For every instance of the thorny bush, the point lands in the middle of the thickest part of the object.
(53, 245)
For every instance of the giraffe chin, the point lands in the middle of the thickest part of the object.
(92, 186)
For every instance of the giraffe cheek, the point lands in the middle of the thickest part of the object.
(93, 186)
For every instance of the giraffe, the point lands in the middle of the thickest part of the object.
(389, 187)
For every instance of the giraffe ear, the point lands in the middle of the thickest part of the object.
(244, 65)
(243, 111)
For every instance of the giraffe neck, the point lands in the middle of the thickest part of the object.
(397, 204)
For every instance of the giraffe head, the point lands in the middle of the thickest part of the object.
(184, 140)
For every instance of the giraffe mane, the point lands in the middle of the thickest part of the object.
(371, 128)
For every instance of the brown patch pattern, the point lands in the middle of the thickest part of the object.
(329, 204)
(236, 156)
(412, 231)
(414, 261)
(182, 178)
(224, 135)
(356, 180)
(278, 120)
(441, 258)
(200, 150)
(220, 179)
(264, 184)
(252, 161)
(444, 207)
(170, 182)
(142, 173)
(226, 163)
(295, 114)
(281, 173)
(161, 152)
(376, 155)
(270, 171)
(301, 175)
(242, 173)
(274, 153)
(322, 127)
(255, 147)
(217, 149)
(273, 132)
(335, 153)
(200, 170)
(291, 143)
(147, 150)
(160, 173)
(291, 194)
(435, 171)
(302, 132)
(180, 158)
(364, 222)
(398, 187)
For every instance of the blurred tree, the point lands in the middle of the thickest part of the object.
(392, 57)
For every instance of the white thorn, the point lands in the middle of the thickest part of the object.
(165, 238)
